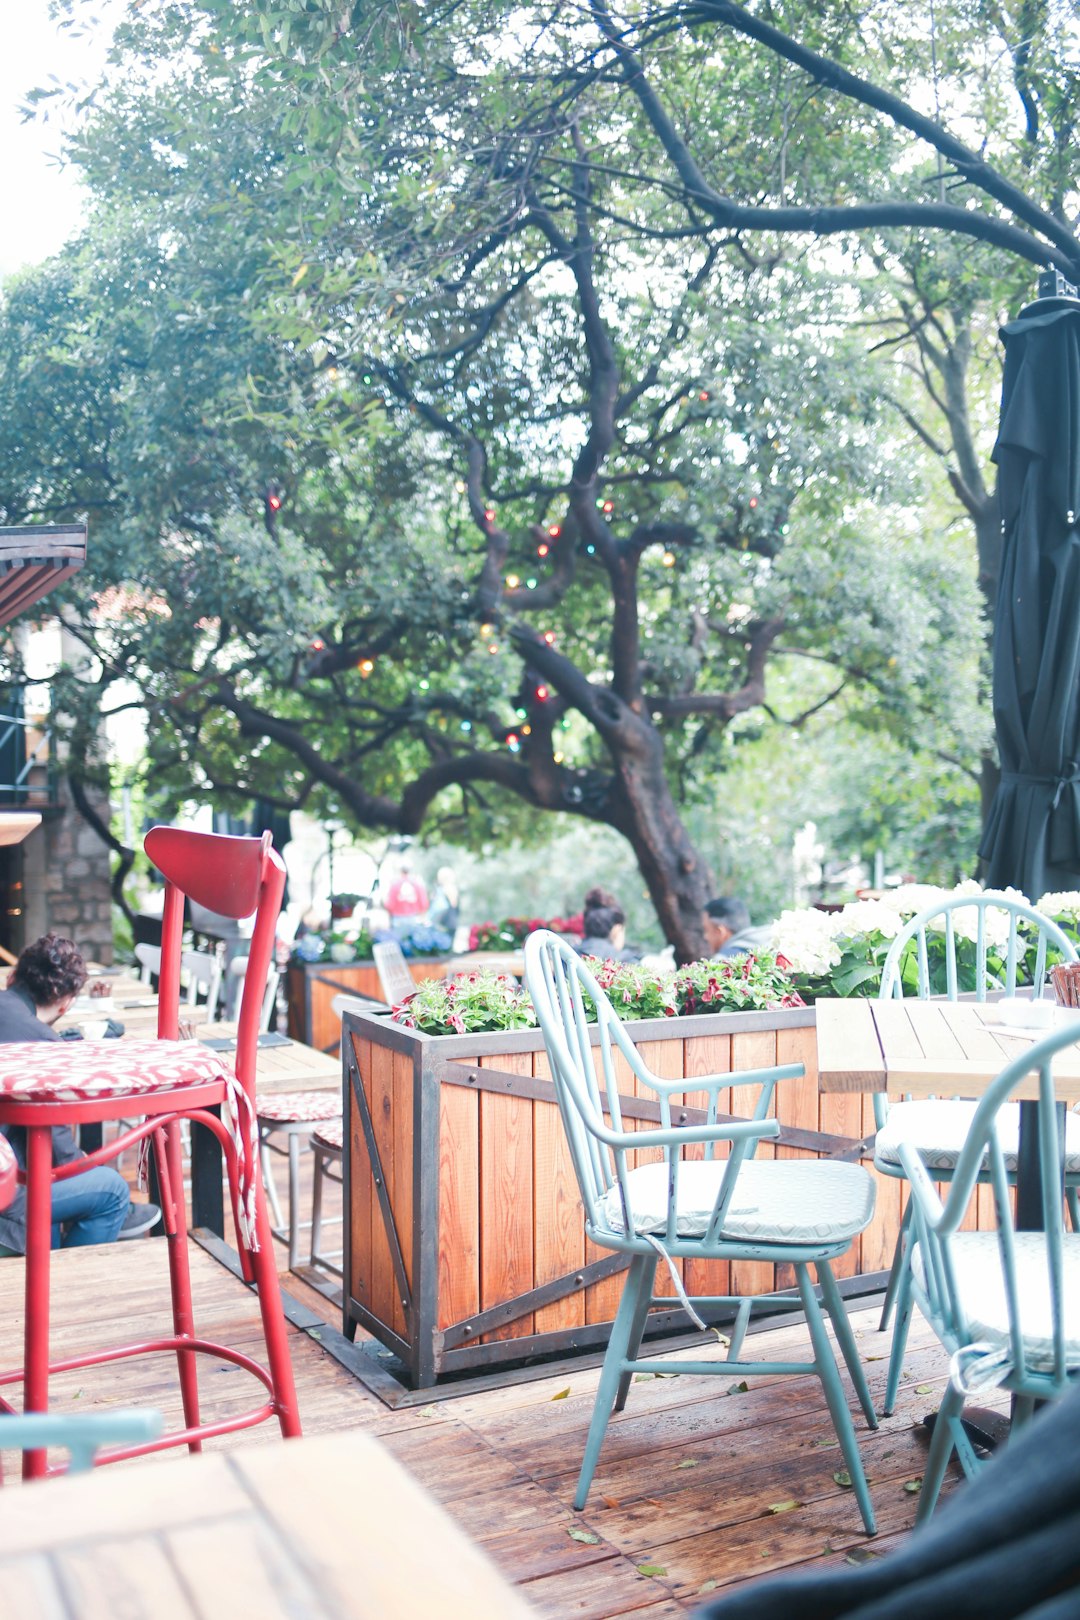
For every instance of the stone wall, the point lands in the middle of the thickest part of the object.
(66, 870)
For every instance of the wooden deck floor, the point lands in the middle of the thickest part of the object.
(704, 1485)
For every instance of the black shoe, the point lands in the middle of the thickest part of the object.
(139, 1219)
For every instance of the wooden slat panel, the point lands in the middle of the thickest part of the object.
(849, 1053)
(666, 1061)
(752, 1051)
(796, 1104)
(459, 1204)
(359, 1214)
(506, 1195)
(402, 1128)
(380, 1092)
(704, 1055)
(559, 1216)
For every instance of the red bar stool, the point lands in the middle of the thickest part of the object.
(45, 1083)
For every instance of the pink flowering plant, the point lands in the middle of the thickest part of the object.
(512, 932)
(748, 983)
(467, 1004)
(634, 991)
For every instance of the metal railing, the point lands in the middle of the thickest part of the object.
(33, 782)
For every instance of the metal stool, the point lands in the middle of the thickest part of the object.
(292, 1114)
(326, 1144)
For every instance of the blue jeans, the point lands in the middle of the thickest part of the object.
(91, 1206)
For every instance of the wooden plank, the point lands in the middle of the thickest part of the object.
(458, 1256)
(359, 1214)
(559, 1215)
(849, 1054)
(506, 1196)
(665, 1060)
(379, 1086)
(707, 1055)
(402, 1132)
(755, 1050)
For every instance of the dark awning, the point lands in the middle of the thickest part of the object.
(34, 558)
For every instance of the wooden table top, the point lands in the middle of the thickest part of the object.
(926, 1048)
(330, 1528)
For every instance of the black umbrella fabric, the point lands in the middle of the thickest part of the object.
(1032, 837)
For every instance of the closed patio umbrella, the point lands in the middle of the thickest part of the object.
(1032, 836)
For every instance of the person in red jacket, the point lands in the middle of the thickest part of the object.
(406, 899)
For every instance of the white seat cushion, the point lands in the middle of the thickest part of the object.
(937, 1129)
(980, 1281)
(775, 1201)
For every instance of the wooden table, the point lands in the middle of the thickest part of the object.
(331, 1528)
(934, 1048)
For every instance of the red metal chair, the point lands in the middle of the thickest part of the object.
(9, 1173)
(44, 1083)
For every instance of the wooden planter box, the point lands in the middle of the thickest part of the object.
(464, 1235)
(312, 986)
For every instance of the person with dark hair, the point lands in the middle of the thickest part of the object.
(726, 925)
(95, 1205)
(605, 929)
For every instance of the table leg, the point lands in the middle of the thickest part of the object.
(207, 1193)
(1029, 1190)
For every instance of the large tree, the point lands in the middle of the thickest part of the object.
(550, 399)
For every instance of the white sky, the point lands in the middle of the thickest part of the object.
(40, 203)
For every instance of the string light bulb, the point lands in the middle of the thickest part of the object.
(512, 582)
(668, 559)
(554, 530)
(365, 666)
(543, 549)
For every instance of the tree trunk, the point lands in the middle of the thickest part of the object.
(678, 880)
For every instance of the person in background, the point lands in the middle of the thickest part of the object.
(445, 900)
(94, 1206)
(726, 925)
(605, 929)
(406, 899)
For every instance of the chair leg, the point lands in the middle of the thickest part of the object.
(942, 1443)
(638, 1282)
(169, 1153)
(895, 1268)
(264, 1268)
(316, 1204)
(637, 1329)
(38, 1258)
(829, 1375)
(1073, 1207)
(294, 1199)
(845, 1338)
(266, 1164)
(904, 1307)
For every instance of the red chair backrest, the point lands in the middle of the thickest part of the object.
(232, 876)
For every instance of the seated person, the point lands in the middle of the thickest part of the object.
(605, 929)
(726, 925)
(95, 1206)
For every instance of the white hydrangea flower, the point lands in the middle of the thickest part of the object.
(805, 939)
(863, 917)
(910, 898)
(1065, 904)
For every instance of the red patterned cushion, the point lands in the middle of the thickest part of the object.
(297, 1107)
(9, 1171)
(329, 1136)
(82, 1071)
(90, 1071)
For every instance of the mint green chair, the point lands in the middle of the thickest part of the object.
(1005, 1304)
(979, 955)
(82, 1435)
(799, 1212)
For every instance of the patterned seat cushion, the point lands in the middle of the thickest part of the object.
(86, 1071)
(329, 1136)
(775, 1201)
(981, 1285)
(93, 1071)
(937, 1129)
(297, 1107)
(9, 1172)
